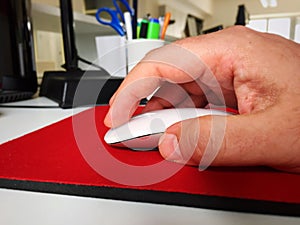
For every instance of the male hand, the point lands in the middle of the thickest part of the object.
(256, 73)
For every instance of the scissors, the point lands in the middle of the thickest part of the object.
(115, 14)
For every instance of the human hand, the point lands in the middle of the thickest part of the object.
(256, 73)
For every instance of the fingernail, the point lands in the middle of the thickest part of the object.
(107, 120)
(170, 143)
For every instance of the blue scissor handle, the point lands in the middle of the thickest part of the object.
(114, 23)
(127, 6)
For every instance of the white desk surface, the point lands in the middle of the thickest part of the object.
(32, 208)
(22, 117)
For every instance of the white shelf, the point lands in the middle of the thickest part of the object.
(47, 18)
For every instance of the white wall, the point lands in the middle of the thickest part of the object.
(214, 12)
(195, 7)
(148, 6)
(225, 11)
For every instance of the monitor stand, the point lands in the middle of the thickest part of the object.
(75, 87)
(79, 88)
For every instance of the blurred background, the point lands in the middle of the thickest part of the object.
(189, 17)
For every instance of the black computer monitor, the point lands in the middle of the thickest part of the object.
(18, 79)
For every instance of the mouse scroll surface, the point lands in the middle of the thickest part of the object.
(142, 132)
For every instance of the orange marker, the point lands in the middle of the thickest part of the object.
(165, 26)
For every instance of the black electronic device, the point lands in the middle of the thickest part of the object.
(18, 79)
(213, 29)
(242, 16)
(75, 87)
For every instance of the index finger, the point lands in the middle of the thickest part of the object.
(157, 67)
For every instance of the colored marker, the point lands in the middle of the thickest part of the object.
(153, 29)
(144, 28)
(165, 26)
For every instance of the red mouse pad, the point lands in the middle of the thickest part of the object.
(70, 157)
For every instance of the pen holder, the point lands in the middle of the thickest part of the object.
(118, 55)
(111, 52)
(138, 48)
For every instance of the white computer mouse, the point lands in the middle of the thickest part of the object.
(142, 132)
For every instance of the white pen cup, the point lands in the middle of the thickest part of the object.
(111, 51)
(138, 48)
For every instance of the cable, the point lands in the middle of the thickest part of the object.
(89, 63)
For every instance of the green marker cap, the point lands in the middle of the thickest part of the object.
(153, 29)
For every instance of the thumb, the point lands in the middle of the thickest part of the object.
(216, 141)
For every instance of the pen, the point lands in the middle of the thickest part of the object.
(165, 26)
(161, 24)
(135, 19)
(128, 25)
